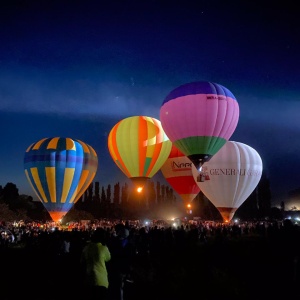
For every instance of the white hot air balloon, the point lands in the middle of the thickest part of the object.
(230, 177)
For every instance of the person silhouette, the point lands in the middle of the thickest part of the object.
(94, 257)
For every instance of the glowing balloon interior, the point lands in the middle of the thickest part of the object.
(59, 171)
(230, 177)
(199, 118)
(139, 147)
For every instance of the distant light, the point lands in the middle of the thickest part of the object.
(139, 189)
(236, 221)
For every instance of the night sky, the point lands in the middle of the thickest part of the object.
(76, 68)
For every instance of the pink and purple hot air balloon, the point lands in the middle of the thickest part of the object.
(199, 118)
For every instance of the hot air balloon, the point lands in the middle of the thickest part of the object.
(177, 170)
(59, 171)
(232, 175)
(139, 147)
(199, 118)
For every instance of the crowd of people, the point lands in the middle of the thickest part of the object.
(123, 259)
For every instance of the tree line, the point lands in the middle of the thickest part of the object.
(157, 201)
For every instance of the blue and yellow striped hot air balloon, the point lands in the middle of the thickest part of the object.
(60, 170)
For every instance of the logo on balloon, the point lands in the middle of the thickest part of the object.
(178, 167)
(203, 175)
(234, 172)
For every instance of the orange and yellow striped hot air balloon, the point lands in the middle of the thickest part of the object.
(139, 147)
(60, 170)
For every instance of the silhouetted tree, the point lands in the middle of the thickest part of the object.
(97, 192)
(163, 193)
(10, 196)
(276, 213)
(76, 215)
(158, 192)
(124, 194)
(282, 206)
(108, 194)
(116, 196)
(90, 193)
(103, 196)
(151, 194)
(264, 196)
(6, 215)
(249, 209)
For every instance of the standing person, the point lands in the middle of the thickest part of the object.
(93, 260)
(122, 253)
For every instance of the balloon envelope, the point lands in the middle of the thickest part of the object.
(60, 170)
(177, 170)
(231, 176)
(199, 118)
(139, 147)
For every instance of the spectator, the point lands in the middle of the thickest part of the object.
(122, 253)
(93, 260)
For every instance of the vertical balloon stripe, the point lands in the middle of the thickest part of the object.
(29, 147)
(30, 182)
(160, 134)
(232, 118)
(112, 142)
(151, 153)
(129, 144)
(70, 145)
(83, 184)
(38, 144)
(146, 167)
(86, 148)
(143, 146)
(51, 159)
(114, 150)
(93, 152)
(163, 149)
(68, 178)
(38, 184)
(155, 157)
(91, 162)
(51, 182)
(53, 143)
